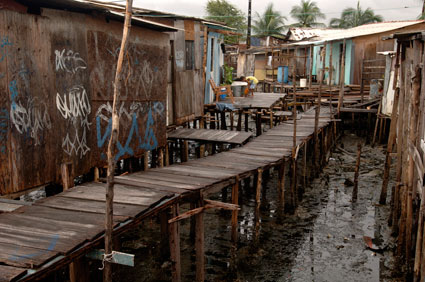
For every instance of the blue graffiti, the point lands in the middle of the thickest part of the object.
(52, 245)
(4, 42)
(4, 125)
(149, 142)
(13, 93)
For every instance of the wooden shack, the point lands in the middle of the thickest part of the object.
(57, 64)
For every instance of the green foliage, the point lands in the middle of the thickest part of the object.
(307, 14)
(352, 17)
(228, 74)
(224, 11)
(271, 22)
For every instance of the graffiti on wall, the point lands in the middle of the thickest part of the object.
(4, 44)
(129, 115)
(69, 61)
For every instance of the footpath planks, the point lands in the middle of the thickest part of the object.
(207, 135)
(72, 222)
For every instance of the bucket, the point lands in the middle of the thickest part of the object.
(303, 82)
(238, 88)
(222, 97)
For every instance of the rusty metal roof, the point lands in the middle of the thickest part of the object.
(82, 6)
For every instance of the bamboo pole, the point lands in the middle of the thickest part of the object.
(341, 79)
(107, 273)
(235, 197)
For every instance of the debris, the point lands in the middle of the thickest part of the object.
(371, 246)
(348, 182)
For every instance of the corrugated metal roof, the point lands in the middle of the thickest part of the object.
(81, 6)
(323, 35)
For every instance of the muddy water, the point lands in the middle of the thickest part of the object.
(321, 241)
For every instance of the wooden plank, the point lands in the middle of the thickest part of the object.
(7, 207)
(21, 256)
(86, 205)
(161, 174)
(222, 136)
(140, 181)
(123, 194)
(208, 173)
(9, 273)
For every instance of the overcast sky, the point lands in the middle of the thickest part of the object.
(389, 9)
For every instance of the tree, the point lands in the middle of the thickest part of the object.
(271, 22)
(224, 11)
(351, 17)
(307, 14)
(422, 15)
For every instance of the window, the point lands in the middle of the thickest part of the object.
(190, 54)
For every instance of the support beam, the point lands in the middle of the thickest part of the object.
(199, 244)
(175, 245)
(235, 196)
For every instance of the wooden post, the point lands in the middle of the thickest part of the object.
(174, 233)
(317, 113)
(232, 120)
(96, 174)
(185, 151)
(67, 176)
(281, 185)
(377, 122)
(258, 122)
(330, 81)
(414, 112)
(257, 206)
(167, 154)
(362, 81)
(239, 126)
(107, 273)
(310, 69)
(146, 160)
(79, 270)
(161, 157)
(246, 121)
(391, 142)
(235, 196)
(356, 172)
(199, 244)
(305, 166)
(223, 120)
(341, 79)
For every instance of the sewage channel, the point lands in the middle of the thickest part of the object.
(322, 241)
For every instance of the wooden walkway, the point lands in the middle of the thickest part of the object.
(258, 101)
(207, 135)
(51, 233)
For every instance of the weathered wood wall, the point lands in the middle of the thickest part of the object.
(56, 75)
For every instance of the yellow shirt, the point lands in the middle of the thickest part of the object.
(255, 80)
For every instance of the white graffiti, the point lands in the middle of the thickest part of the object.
(77, 145)
(69, 61)
(146, 78)
(105, 111)
(32, 117)
(74, 105)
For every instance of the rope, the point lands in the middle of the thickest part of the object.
(107, 258)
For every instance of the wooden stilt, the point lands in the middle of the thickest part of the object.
(239, 126)
(317, 113)
(161, 157)
(282, 185)
(67, 176)
(246, 121)
(391, 142)
(258, 122)
(164, 216)
(202, 150)
(223, 120)
(79, 270)
(185, 151)
(377, 123)
(232, 120)
(192, 222)
(235, 197)
(167, 154)
(96, 174)
(199, 244)
(341, 79)
(257, 207)
(146, 160)
(356, 172)
(174, 233)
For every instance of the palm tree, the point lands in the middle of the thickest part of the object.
(307, 14)
(351, 17)
(271, 22)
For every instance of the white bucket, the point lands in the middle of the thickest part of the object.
(303, 82)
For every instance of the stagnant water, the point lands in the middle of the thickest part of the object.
(321, 241)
